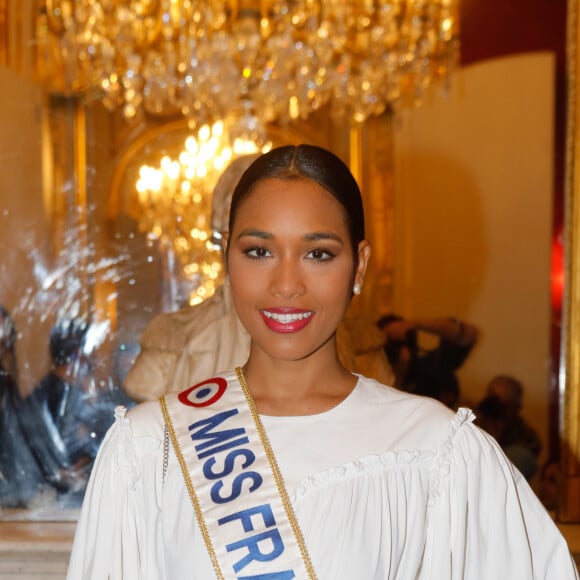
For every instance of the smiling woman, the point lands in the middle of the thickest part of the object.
(294, 256)
(277, 470)
(47, 174)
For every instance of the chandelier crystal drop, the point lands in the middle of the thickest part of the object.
(174, 195)
(262, 61)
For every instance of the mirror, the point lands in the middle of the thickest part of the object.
(473, 177)
(480, 173)
(55, 217)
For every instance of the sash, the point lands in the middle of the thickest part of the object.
(234, 483)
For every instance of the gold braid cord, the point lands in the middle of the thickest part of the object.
(191, 491)
(277, 476)
(275, 471)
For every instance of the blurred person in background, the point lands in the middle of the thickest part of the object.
(501, 409)
(21, 478)
(64, 419)
(428, 371)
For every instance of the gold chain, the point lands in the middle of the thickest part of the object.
(190, 489)
(277, 476)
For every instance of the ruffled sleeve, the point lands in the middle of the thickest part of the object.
(495, 525)
(107, 539)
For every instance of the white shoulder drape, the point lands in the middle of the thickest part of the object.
(452, 507)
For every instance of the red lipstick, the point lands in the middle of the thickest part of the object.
(286, 320)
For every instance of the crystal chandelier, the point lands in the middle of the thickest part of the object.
(175, 205)
(272, 60)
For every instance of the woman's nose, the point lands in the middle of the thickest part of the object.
(287, 279)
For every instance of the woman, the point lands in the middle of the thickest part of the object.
(292, 467)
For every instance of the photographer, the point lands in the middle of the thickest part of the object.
(428, 371)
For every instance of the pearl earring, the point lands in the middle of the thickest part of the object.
(356, 289)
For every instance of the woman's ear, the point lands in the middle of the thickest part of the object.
(363, 254)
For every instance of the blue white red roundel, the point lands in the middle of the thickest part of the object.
(204, 394)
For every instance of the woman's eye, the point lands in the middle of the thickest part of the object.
(320, 255)
(257, 252)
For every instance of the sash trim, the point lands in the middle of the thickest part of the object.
(191, 490)
(275, 471)
(277, 476)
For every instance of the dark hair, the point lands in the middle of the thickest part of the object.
(393, 347)
(492, 407)
(7, 328)
(315, 164)
(386, 319)
(67, 337)
(437, 382)
(516, 389)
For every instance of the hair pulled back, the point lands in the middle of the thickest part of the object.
(315, 164)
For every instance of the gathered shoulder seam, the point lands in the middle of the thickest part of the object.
(442, 466)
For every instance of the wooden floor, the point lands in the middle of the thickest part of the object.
(35, 550)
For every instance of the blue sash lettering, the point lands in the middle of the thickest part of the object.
(245, 516)
(287, 575)
(224, 447)
(265, 544)
(236, 487)
(202, 430)
(229, 463)
(252, 544)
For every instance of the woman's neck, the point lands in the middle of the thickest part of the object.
(305, 387)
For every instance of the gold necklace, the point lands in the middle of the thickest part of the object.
(277, 475)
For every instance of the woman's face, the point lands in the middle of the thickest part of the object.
(291, 267)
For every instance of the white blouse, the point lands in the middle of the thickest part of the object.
(385, 485)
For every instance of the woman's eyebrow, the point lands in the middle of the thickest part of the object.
(255, 234)
(316, 236)
(310, 237)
